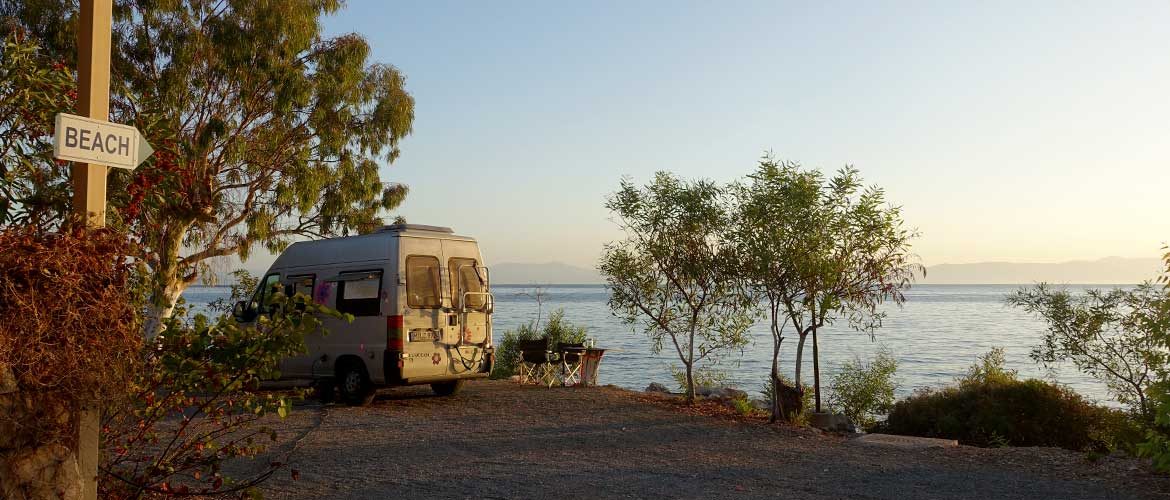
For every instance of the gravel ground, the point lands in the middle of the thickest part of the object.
(500, 440)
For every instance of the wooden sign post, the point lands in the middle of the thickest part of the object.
(89, 185)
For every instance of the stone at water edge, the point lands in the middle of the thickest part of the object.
(656, 387)
(834, 422)
(720, 392)
(904, 441)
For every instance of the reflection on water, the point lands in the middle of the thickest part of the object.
(937, 334)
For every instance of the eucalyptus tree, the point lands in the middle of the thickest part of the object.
(265, 129)
(674, 274)
(820, 250)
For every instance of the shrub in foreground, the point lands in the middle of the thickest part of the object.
(862, 390)
(991, 407)
(196, 403)
(1017, 413)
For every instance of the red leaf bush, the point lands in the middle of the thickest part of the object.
(68, 330)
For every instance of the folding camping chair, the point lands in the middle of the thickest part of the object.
(571, 356)
(537, 364)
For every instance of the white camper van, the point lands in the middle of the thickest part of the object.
(421, 305)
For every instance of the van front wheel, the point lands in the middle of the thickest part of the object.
(449, 388)
(354, 384)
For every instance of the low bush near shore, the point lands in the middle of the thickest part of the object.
(862, 390)
(557, 329)
(991, 407)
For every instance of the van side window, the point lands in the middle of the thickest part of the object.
(422, 282)
(263, 297)
(358, 292)
(302, 283)
(466, 276)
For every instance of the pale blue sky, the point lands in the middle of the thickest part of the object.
(1036, 132)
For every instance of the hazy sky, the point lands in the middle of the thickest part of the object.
(1024, 133)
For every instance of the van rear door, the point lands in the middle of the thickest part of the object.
(467, 288)
(423, 317)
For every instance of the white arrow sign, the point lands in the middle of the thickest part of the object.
(87, 140)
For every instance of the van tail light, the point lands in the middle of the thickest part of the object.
(394, 332)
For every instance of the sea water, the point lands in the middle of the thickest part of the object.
(937, 334)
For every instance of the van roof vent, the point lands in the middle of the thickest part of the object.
(398, 228)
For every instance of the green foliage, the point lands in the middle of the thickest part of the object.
(561, 331)
(508, 350)
(243, 285)
(264, 128)
(1111, 335)
(34, 87)
(990, 407)
(744, 407)
(991, 368)
(702, 376)
(557, 329)
(861, 390)
(673, 275)
(1156, 444)
(818, 250)
(1157, 440)
(1120, 337)
(196, 404)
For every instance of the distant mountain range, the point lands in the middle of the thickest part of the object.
(516, 273)
(1109, 270)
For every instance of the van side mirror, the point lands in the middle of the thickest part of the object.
(244, 311)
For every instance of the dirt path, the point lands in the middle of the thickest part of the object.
(499, 440)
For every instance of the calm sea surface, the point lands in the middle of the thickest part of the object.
(939, 332)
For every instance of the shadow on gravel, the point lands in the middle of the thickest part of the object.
(497, 440)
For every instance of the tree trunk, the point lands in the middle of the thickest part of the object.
(690, 364)
(800, 358)
(167, 284)
(777, 406)
(816, 372)
(162, 306)
(799, 362)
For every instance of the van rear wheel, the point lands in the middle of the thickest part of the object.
(449, 388)
(354, 384)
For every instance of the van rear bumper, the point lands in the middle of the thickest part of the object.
(392, 368)
(443, 378)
